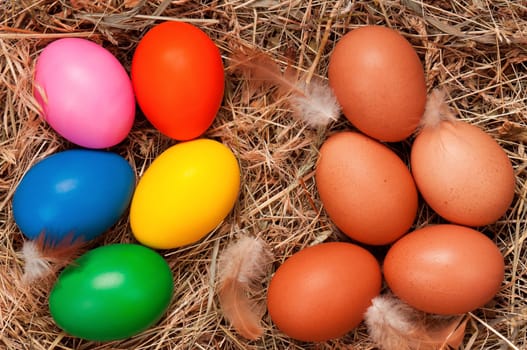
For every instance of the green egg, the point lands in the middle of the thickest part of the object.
(112, 292)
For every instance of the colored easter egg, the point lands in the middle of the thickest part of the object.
(178, 78)
(185, 193)
(112, 292)
(79, 193)
(85, 93)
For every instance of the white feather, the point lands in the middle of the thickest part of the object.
(393, 324)
(318, 105)
(36, 265)
(388, 310)
(436, 110)
(244, 259)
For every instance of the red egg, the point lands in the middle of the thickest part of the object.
(178, 78)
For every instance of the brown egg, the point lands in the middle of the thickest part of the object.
(322, 292)
(366, 189)
(379, 82)
(462, 173)
(444, 269)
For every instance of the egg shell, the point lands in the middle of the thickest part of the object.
(112, 292)
(323, 291)
(85, 93)
(379, 82)
(185, 193)
(366, 189)
(178, 78)
(463, 173)
(444, 269)
(75, 193)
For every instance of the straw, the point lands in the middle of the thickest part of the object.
(476, 50)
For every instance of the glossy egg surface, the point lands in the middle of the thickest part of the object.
(112, 292)
(322, 292)
(74, 193)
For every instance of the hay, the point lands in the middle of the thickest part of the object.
(476, 49)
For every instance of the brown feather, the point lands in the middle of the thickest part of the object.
(312, 102)
(44, 257)
(241, 267)
(240, 310)
(259, 70)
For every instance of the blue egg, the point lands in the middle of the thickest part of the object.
(74, 194)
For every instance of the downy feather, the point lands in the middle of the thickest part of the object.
(241, 267)
(44, 258)
(436, 110)
(313, 102)
(393, 324)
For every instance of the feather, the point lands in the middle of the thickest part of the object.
(240, 267)
(393, 324)
(43, 257)
(313, 102)
(436, 110)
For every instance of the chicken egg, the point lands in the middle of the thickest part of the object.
(323, 291)
(379, 82)
(366, 189)
(444, 269)
(462, 173)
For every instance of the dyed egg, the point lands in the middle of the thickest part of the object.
(85, 93)
(323, 291)
(112, 292)
(379, 82)
(75, 193)
(366, 189)
(185, 193)
(178, 78)
(462, 173)
(444, 269)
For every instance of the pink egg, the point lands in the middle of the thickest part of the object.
(85, 93)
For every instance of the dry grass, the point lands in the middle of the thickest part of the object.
(476, 49)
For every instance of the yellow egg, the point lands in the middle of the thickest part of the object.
(185, 193)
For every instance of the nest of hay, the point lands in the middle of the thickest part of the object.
(475, 49)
